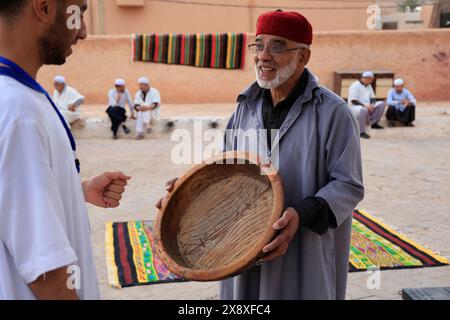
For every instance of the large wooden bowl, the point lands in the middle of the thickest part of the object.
(219, 217)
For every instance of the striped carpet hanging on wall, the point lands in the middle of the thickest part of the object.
(221, 51)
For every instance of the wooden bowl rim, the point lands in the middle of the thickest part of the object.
(252, 255)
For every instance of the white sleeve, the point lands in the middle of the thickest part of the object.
(156, 97)
(137, 98)
(410, 96)
(353, 93)
(112, 99)
(390, 98)
(32, 224)
(74, 95)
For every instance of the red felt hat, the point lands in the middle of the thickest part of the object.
(290, 25)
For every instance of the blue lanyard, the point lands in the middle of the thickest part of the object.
(17, 73)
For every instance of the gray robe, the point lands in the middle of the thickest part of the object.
(320, 156)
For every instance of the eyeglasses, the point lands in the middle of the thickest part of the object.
(274, 49)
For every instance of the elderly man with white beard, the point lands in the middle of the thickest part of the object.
(319, 161)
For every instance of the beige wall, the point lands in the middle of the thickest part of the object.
(427, 12)
(107, 17)
(422, 58)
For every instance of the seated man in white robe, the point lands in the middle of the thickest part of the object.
(362, 102)
(68, 101)
(147, 104)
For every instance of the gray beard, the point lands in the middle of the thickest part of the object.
(282, 76)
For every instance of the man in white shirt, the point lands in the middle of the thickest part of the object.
(362, 102)
(147, 103)
(45, 248)
(117, 99)
(68, 100)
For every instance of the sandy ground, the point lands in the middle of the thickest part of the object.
(407, 178)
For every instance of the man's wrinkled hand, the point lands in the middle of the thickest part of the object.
(169, 187)
(287, 227)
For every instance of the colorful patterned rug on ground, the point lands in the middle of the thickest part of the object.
(130, 257)
(375, 245)
(222, 51)
(131, 260)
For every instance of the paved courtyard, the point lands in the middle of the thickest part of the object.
(407, 178)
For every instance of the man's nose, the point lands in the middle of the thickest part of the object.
(264, 55)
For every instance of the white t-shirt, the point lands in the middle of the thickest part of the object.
(360, 92)
(43, 217)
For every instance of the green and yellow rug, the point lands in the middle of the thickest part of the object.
(376, 245)
(131, 259)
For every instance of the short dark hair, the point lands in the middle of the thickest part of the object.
(12, 8)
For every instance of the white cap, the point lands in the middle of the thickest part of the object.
(60, 79)
(368, 74)
(120, 82)
(144, 80)
(399, 82)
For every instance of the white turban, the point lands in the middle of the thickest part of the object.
(60, 79)
(120, 82)
(144, 80)
(399, 82)
(368, 74)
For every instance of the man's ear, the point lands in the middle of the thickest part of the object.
(304, 56)
(44, 10)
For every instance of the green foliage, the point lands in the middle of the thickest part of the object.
(412, 4)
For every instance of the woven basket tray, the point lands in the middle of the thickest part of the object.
(219, 217)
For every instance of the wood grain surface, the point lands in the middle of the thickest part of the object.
(216, 218)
